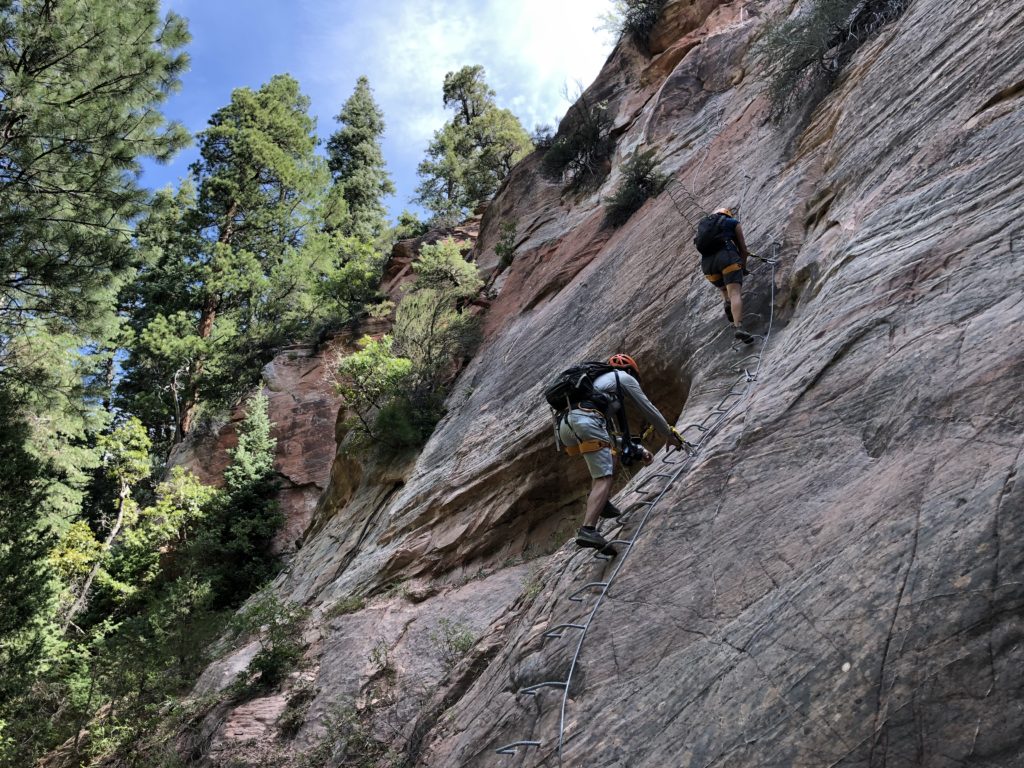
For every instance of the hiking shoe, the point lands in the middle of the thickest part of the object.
(728, 311)
(589, 537)
(743, 336)
(610, 510)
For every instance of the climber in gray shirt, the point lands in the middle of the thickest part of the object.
(584, 430)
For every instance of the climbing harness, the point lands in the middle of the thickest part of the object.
(678, 463)
(587, 446)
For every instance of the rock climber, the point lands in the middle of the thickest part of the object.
(583, 429)
(723, 261)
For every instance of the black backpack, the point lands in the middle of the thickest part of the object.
(576, 385)
(709, 238)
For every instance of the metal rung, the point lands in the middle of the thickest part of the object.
(655, 476)
(559, 631)
(630, 510)
(575, 595)
(511, 749)
(712, 415)
(621, 542)
(531, 690)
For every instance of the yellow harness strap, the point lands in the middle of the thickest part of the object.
(727, 271)
(587, 446)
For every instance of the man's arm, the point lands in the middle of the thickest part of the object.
(631, 387)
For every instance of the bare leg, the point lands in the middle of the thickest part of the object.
(732, 291)
(599, 493)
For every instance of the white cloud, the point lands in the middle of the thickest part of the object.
(532, 50)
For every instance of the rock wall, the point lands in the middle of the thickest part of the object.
(837, 578)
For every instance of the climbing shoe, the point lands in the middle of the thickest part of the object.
(610, 510)
(728, 311)
(743, 336)
(589, 537)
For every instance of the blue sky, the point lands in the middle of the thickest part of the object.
(532, 50)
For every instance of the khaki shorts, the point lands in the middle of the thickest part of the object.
(581, 425)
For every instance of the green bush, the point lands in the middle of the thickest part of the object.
(505, 248)
(396, 386)
(640, 181)
(805, 53)
(294, 716)
(277, 625)
(583, 143)
(345, 606)
(452, 641)
(634, 18)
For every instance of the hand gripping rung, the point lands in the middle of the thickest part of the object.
(531, 690)
(576, 596)
(559, 631)
(511, 749)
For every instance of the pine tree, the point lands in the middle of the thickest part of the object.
(234, 271)
(80, 89)
(472, 153)
(238, 534)
(357, 165)
(25, 578)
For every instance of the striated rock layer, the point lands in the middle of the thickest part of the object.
(838, 578)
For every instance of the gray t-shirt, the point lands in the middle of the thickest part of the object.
(631, 390)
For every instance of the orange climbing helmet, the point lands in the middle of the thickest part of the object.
(624, 361)
(725, 212)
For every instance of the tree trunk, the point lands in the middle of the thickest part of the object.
(205, 330)
(83, 596)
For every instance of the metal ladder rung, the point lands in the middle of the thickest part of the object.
(531, 690)
(559, 631)
(512, 749)
(575, 596)
(655, 476)
(712, 415)
(627, 543)
(729, 394)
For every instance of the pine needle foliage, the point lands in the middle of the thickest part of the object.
(396, 386)
(581, 149)
(805, 53)
(472, 153)
(357, 166)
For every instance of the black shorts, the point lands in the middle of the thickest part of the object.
(723, 268)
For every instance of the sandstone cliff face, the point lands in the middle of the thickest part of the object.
(837, 579)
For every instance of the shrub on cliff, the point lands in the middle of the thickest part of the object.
(640, 181)
(277, 626)
(806, 52)
(633, 18)
(396, 385)
(583, 145)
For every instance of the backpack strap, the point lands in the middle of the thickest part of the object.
(621, 415)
